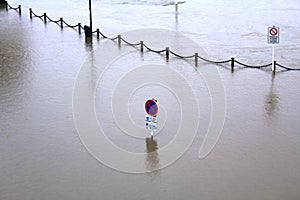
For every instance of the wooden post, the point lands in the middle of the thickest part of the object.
(232, 64)
(6, 5)
(30, 13)
(119, 40)
(98, 33)
(196, 59)
(79, 28)
(167, 53)
(20, 10)
(45, 18)
(61, 23)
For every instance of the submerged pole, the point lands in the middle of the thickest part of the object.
(20, 9)
(79, 28)
(61, 23)
(119, 41)
(232, 64)
(30, 13)
(167, 53)
(6, 5)
(45, 18)
(273, 57)
(98, 33)
(142, 46)
(196, 59)
(274, 67)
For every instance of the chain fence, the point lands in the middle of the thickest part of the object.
(142, 45)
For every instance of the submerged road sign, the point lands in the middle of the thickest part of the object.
(273, 35)
(151, 107)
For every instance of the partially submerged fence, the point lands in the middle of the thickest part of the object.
(7, 7)
(167, 51)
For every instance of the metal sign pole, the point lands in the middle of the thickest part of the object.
(273, 57)
(90, 8)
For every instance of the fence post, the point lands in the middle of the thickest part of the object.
(6, 5)
(20, 10)
(142, 46)
(196, 59)
(167, 53)
(45, 19)
(98, 33)
(232, 64)
(274, 64)
(79, 28)
(119, 40)
(61, 23)
(30, 13)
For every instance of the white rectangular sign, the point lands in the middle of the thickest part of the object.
(273, 35)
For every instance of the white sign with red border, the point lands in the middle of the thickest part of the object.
(273, 35)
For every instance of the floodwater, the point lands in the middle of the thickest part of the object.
(256, 157)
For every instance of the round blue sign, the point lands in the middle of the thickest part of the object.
(151, 107)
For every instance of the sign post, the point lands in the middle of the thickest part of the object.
(273, 38)
(90, 9)
(151, 109)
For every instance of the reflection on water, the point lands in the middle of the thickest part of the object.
(89, 44)
(152, 157)
(176, 21)
(272, 101)
(16, 58)
(89, 47)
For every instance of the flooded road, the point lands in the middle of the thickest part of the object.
(42, 156)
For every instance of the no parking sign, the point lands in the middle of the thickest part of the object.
(151, 108)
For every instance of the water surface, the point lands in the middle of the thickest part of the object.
(257, 156)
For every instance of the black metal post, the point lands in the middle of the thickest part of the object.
(20, 10)
(167, 53)
(98, 33)
(90, 8)
(119, 41)
(232, 64)
(61, 22)
(45, 18)
(142, 46)
(30, 13)
(79, 28)
(274, 67)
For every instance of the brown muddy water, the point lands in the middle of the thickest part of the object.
(42, 156)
